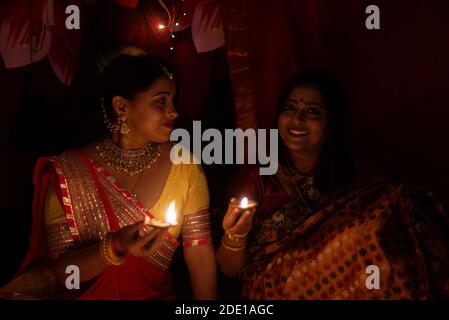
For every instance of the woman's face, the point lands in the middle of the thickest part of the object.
(151, 113)
(303, 123)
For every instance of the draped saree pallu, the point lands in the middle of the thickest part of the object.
(93, 204)
(399, 229)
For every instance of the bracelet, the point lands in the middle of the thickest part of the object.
(107, 252)
(232, 248)
(236, 237)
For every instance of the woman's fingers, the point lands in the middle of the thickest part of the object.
(237, 221)
(148, 237)
(151, 245)
(144, 231)
(231, 218)
(136, 226)
(141, 226)
(245, 222)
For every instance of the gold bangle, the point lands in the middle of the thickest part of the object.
(104, 252)
(117, 260)
(236, 237)
(107, 253)
(232, 248)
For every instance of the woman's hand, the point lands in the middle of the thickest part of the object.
(237, 222)
(231, 255)
(139, 242)
(133, 239)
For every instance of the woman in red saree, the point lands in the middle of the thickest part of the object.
(326, 230)
(92, 205)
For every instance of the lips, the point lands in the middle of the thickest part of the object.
(298, 132)
(169, 124)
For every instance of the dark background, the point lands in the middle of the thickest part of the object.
(396, 79)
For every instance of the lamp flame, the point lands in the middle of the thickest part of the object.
(171, 213)
(244, 202)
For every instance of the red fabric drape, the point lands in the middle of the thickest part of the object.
(26, 39)
(42, 178)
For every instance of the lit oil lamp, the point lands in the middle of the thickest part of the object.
(170, 219)
(246, 204)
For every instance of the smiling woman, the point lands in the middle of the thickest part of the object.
(322, 222)
(91, 205)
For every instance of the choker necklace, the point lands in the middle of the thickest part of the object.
(130, 161)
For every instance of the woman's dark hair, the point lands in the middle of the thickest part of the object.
(127, 75)
(336, 167)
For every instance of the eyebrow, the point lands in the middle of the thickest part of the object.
(307, 102)
(162, 92)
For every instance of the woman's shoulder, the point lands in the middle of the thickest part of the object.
(69, 160)
(66, 154)
(51, 160)
(52, 165)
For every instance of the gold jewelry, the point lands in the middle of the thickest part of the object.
(107, 253)
(124, 130)
(135, 186)
(236, 237)
(312, 193)
(168, 73)
(129, 161)
(232, 248)
(119, 126)
(114, 128)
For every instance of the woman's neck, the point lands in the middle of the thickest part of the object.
(304, 162)
(132, 144)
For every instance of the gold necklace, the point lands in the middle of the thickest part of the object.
(130, 161)
(133, 193)
(312, 193)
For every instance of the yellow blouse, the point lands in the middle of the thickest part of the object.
(186, 185)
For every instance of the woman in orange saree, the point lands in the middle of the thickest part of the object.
(91, 205)
(326, 230)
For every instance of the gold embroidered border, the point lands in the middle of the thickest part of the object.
(164, 255)
(81, 200)
(59, 238)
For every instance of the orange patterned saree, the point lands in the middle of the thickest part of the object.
(398, 229)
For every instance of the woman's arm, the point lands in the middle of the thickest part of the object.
(200, 258)
(202, 269)
(90, 262)
(231, 262)
(232, 254)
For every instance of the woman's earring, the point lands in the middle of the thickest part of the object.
(124, 130)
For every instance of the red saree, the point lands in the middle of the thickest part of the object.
(401, 230)
(94, 204)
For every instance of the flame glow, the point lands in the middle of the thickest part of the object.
(171, 213)
(244, 202)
